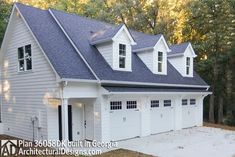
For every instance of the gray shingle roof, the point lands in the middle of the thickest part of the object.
(69, 64)
(144, 40)
(178, 48)
(104, 34)
(63, 57)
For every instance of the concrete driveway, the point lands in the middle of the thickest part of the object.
(193, 142)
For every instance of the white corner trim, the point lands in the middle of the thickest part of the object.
(75, 47)
(57, 75)
(150, 84)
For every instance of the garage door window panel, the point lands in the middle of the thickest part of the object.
(167, 103)
(192, 101)
(115, 105)
(184, 102)
(131, 104)
(154, 103)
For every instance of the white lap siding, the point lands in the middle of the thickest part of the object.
(25, 94)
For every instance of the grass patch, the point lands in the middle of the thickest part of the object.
(221, 126)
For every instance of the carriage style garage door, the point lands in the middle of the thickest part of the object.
(188, 113)
(124, 120)
(162, 116)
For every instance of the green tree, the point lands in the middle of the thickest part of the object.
(210, 27)
(5, 9)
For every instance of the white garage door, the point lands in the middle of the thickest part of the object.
(162, 116)
(188, 113)
(124, 120)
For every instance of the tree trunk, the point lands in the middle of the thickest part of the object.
(212, 97)
(221, 110)
(211, 108)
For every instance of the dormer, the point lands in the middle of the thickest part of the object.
(181, 57)
(115, 45)
(153, 53)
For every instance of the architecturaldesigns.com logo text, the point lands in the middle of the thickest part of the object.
(53, 147)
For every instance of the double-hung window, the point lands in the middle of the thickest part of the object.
(25, 58)
(160, 61)
(187, 65)
(122, 56)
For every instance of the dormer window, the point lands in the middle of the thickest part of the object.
(160, 61)
(116, 49)
(122, 56)
(187, 65)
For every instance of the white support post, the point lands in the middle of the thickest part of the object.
(178, 113)
(145, 117)
(199, 113)
(105, 119)
(64, 110)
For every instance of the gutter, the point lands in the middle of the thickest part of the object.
(154, 93)
(150, 84)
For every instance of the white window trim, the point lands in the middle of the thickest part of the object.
(194, 100)
(161, 62)
(131, 105)
(122, 56)
(170, 102)
(121, 105)
(188, 66)
(24, 58)
(182, 102)
(154, 101)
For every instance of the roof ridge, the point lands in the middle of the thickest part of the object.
(18, 3)
(84, 17)
(92, 19)
(104, 22)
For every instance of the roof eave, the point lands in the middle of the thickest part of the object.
(151, 84)
(175, 55)
(154, 93)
